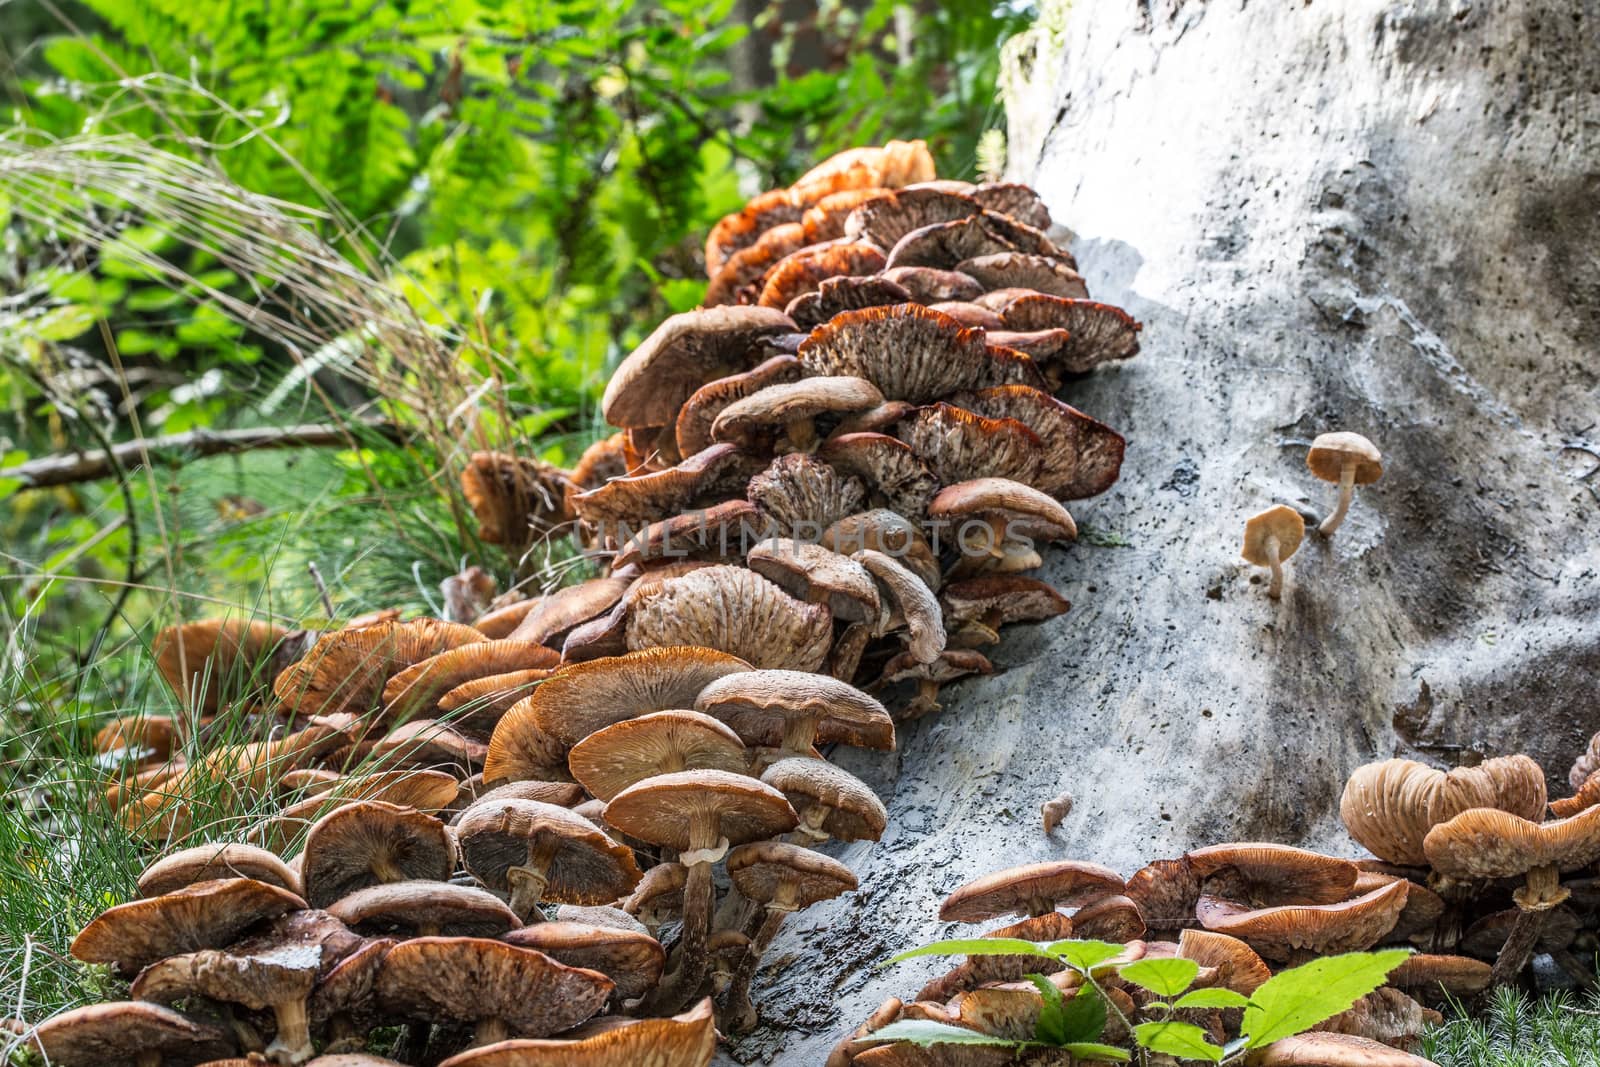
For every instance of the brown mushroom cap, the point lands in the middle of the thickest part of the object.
(206, 659)
(685, 352)
(1319, 1049)
(1099, 332)
(1081, 456)
(1032, 889)
(1015, 199)
(498, 622)
(369, 842)
(891, 472)
(425, 907)
(345, 991)
(828, 799)
(470, 979)
(799, 495)
(742, 421)
(1280, 522)
(1489, 843)
(1457, 976)
(760, 704)
(213, 860)
(844, 293)
(888, 532)
(887, 166)
(581, 864)
(1390, 806)
(997, 599)
(699, 413)
(710, 476)
(737, 612)
(1023, 508)
(418, 689)
(1262, 874)
(127, 1032)
(1166, 892)
(346, 670)
(911, 353)
(1048, 274)
(743, 271)
(477, 706)
(1587, 795)
(744, 227)
(958, 446)
(430, 744)
(1423, 908)
(788, 876)
(801, 272)
(610, 760)
(584, 697)
(203, 915)
(695, 809)
(564, 609)
(930, 285)
(1238, 966)
(885, 219)
(817, 575)
(633, 960)
(659, 894)
(949, 244)
(1330, 452)
(912, 602)
(687, 1040)
(1277, 932)
(513, 497)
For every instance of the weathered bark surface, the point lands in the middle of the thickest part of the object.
(1380, 217)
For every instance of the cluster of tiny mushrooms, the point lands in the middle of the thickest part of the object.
(1272, 536)
(564, 829)
(1470, 868)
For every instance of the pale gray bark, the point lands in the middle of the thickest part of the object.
(1380, 217)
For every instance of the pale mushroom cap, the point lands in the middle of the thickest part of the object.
(1318, 1049)
(1261, 873)
(203, 915)
(587, 867)
(1489, 843)
(736, 611)
(456, 910)
(757, 704)
(470, 979)
(811, 572)
(1279, 521)
(202, 863)
(687, 1040)
(915, 606)
(632, 959)
(1065, 883)
(774, 872)
(1331, 451)
(343, 848)
(854, 812)
(1348, 926)
(1032, 511)
(693, 809)
(1389, 806)
(888, 166)
(804, 399)
(564, 609)
(609, 760)
(118, 1032)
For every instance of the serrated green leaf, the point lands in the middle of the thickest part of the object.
(1090, 1050)
(1183, 1040)
(1051, 1027)
(1212, 998)
(1296, 1000)
(925, 1032)
(1084, 955)
(1083, 1018)
(974, 946)
(1163, 977)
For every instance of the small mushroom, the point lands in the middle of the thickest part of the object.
(1348, 460)
(477, 706)
(844, 293)
(950, 665)
(1010, 517)
(791, 409)
(344, 1005)
(128, 1033)
(909, 604)
(425, 909)
(1034, 889)
(370, 842)
(203, 915)
(802, 271)
(1270, 538)
(658, 898)
(203, 863)
(976, 608)
(609, 760)
(1259, 874)
(830, 801)
(796, 710)
(542, 852)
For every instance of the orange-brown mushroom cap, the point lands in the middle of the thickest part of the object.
(1034, 889)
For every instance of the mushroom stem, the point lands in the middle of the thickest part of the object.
(740, 1013)
(488, 1031)
(681, 986)
(799, 734)
(802, 434)
(528, 881)
(1347, 492)
(292, 1044)
(384, 869)
(1274, 587)
(1534, 904)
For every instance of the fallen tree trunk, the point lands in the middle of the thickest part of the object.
(1369, 216)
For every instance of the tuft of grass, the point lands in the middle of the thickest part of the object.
(1559, 1029)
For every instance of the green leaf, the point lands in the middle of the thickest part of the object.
(1051, 1028)
(1090, 1050)
(1083, 1018)
(1298, 999)
(1212, 998)
(1183, 1040)
(976, 946)
(1083, 955)
(1163, 977)
(925, 1032)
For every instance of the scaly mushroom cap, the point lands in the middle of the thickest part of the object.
(1280, 522)
(417, 689)
(930, 285)
(912, 602)
(694, 809)
(773, 872)
(737, 612)
(469, 979)
(203, 660)
(699, 413)
(888, 166)
(959, 446)
(846, 293)
(1320, 1049)
(1035, 888)
(803, 271)
(911, 353)
(744, 227)
(125, 1032)
(1024, 509)
(584, 697)
(1100, 332)
(1390, 806)
(586, 866)
(817, 575)
(475, 707)
(1166, 892)
(947, 245)
(370, 842)
(513, 497)
(885, 219)
(1489, 843)
(1014, 199)
(687, 1040)
(213, 860)
(1047, 274)
(610, 760)
(203, 915)
(746, 267)
(1080, 458)
(716, 532)
(769, 410)
(1277, 932)
(346, 670)
(882, 530)
(1331, 451)
(407, 908)
(1238, 966)
(891, 472)
(757, 704)
(710, 476)
(1260, 874)
(685, 352)
(828, 798)
(632, 960)
(1437, 977)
